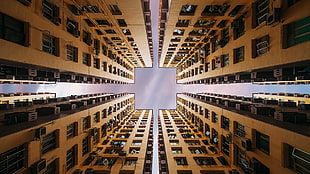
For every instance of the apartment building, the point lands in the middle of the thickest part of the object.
(82, 41)
(94, 133)
(236, 41)
(216, 133)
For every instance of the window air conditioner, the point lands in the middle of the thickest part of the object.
(71, 26)
(40, 132)
(32, 72)
(57, 20)
(274, 16)
(76, 33)
(56, 75)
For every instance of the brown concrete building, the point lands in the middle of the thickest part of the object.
(94, 133)
(79, 41)
(236, 41)
(215, 133)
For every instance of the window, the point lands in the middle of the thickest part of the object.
(239, 130)
(238, 27)
(85, 145)
(51, 12)
(226, 140)
(14, 30)
(96, 117)
(198, 150)
(97, 63)
(71, 159)
(215, 63)
(87, 38)
(214, 138)
(215, 10)
(188, 10)
(49, 142)
(126, 31)
(182, 23)
(104, 113)
(91, 9)
(50, 44)
(176, 150)
(224, 60)
(296, 33)
(86, 123)
(205, 23)
(104, 50)
(89, 23)
(72, 53)
(115, 10)
(260, 46)
(86, 59)
(25, 2)
(262, 142)
(122, 22)
(205, 161)
(97, 46)
(239, 54)
(181, 160)
(296, 159)
(136, 142)
(174, 142)
(99, 32)
(240, 160)
(214, 117)
(102, 22)
(130, 162)
(73, 27)
(207, 67)
(13, 159)
(292, 2)
(178, 32)
(224, 37)
(72, 130)
(225, 123)
(260, 12)
(51, 168)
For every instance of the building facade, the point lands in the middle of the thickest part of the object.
(215, 133)
(236, 41)
(74, 41)
(94, 133)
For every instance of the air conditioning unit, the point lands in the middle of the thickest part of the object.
(225, 78)
(32, 116)
(274, 16)
(237, 77)
(45, 111)
(71, 26)
(32, 72)
(253, 75)
(57, 75)
(229, 138)
(57, 20)
(247, 144)
(277, 72)
(39, 167)
(40, 132)
(76, 33)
